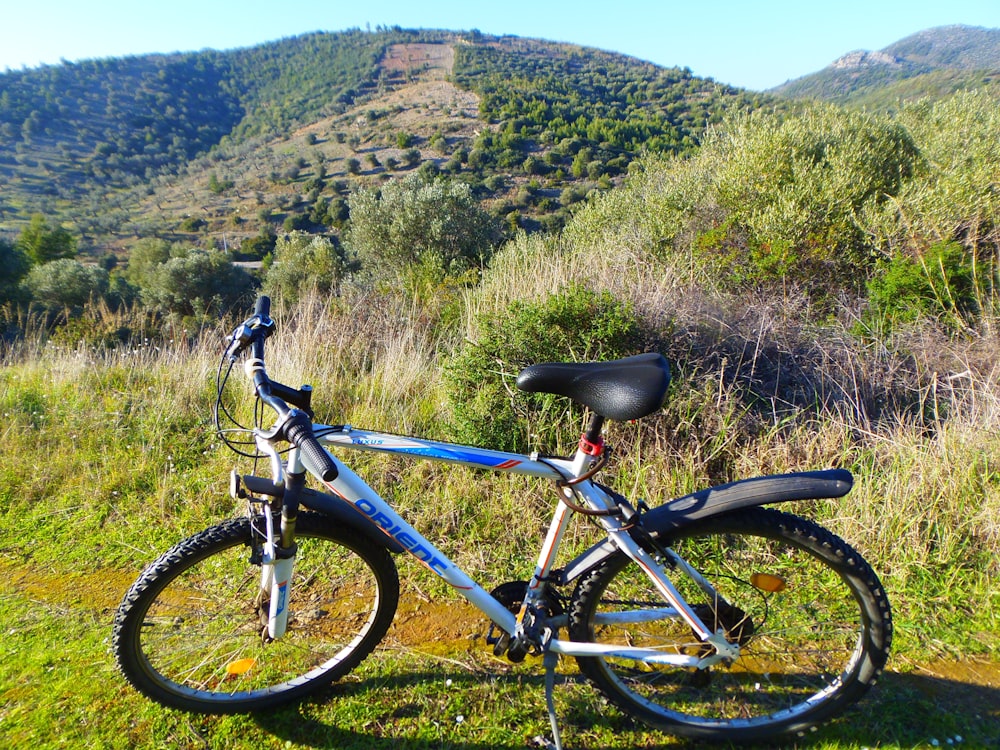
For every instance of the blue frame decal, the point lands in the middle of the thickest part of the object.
(434, 450)
(440, 452)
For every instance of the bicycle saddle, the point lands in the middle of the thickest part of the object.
(622, 389)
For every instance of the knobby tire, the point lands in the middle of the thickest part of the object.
(188, 634)
(811, 616)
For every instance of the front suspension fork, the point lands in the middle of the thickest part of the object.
(278, 558)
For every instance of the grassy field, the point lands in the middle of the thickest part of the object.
(59, 689)
(110, 456)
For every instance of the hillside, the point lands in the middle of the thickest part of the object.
(932, 63)
(218, 146)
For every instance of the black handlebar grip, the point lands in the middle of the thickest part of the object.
(299, 432)
(263, 307)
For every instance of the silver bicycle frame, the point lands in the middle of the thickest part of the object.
(356, 493)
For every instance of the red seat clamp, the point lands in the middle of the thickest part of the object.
(591, 448)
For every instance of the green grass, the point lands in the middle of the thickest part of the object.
(59, 688)
(109, 457)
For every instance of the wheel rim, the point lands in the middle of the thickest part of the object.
(200, 637)
(804, 641)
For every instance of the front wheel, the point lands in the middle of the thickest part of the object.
(810, 615)
(188, 634)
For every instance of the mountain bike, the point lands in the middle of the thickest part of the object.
(709, 616)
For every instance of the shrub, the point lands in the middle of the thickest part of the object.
(65, 283)
(217, 186)
(144, 256)
(296, 222)
(256, 248)
(303, 263)
(769, 198)
(193, 224)
(15, 264)
(956, 196)
(576, 324)
(435, 229)
(938, 284)
(195, 284)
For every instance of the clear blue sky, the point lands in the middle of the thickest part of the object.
(751, 43)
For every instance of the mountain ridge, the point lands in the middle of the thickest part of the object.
(219, 147)
(945, 57)
(89, 143)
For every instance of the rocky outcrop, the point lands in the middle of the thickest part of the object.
(865, 59)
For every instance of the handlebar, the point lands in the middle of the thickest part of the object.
(294, 423)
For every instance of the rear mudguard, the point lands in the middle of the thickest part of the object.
(716, 501)
(328, 505)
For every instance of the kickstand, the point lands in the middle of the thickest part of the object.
(550, 661)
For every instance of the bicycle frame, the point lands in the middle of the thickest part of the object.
(361, 498)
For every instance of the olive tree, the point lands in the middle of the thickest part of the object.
(415, 227)
(65, 283)
(144, 257)
(303, 263)
(195, 283)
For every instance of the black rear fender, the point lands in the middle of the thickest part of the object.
(716, 501)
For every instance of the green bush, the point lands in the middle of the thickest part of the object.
(303, 263)
(256, 248)
(15, 264)
(144, 256)
(195, 284)
(938, 284)
(193, 224)
(576, 324)
(65, 283)
(414, 228)
(770, 198)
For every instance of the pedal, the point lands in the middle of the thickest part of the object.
(498, 638)
(510, 595)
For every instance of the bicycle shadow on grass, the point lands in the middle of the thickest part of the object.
(957, 706)
(398, 712)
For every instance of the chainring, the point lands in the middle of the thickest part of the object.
(511, 595)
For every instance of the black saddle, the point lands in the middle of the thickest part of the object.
(622, 389)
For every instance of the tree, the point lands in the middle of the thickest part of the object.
(15, 266)
(412, 223)
(195, 283)
(411, 157)
(259, 246)
(144, 256)
(218, 186)
(303, 263)
(41, 243)
(65, 283)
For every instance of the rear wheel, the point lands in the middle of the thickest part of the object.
(810, 614)
(188, 634)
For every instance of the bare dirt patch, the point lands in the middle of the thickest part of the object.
(409, 58)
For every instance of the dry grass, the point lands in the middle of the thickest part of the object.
(757, 390)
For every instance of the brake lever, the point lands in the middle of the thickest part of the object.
(241, 337)
(238, 341)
